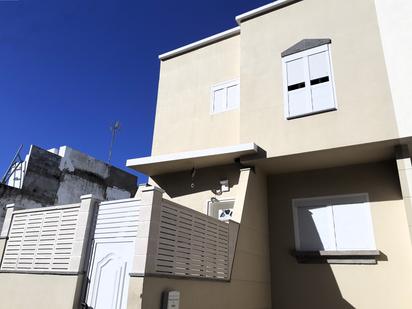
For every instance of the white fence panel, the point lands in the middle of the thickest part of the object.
(191, 244)
(159, 238)
(41, 239)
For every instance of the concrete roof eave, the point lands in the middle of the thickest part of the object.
(176, 162)
(264, 9)
(199, 44)
(228, 33)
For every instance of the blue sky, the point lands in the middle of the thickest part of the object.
(70, 68)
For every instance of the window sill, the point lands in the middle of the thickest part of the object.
(338, 257)
(312, 113)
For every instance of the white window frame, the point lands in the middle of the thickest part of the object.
(330, 201)
(305, 54)
(223, 85)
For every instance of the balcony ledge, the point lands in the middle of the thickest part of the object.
(176, 162)
(338, 257)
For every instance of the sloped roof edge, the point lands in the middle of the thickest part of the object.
(305, 45)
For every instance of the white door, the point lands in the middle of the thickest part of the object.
(110, 275)
(112, 255)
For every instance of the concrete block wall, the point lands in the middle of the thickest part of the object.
(59, 177)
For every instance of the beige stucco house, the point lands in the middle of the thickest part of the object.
(280, 177)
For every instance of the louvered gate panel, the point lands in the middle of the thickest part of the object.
(117, 220)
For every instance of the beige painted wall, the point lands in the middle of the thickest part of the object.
(24, 291)
(183, 119)
(385, 285)
(394, 18)
(134, 300)
(250, 284)
(365, 109)
(365, 112)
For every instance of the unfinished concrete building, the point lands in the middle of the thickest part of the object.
(59, 176)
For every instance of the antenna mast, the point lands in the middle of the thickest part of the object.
(14, 166)
(114, 130)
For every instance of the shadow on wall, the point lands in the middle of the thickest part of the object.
(296, 285)
(315, 286)
(206, 179)
(249, 287)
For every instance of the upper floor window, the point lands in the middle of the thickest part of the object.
(225, 96)
(308, 78)
(337, 223)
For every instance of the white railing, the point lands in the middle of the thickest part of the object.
(41, 239)
(191, 244)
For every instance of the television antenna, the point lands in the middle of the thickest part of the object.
(114, 128)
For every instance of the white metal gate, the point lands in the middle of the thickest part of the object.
(112, 254)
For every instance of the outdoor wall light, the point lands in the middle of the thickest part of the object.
(224, 185)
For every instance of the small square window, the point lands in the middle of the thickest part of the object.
(225, 96)
(308, 82)
(339, 223)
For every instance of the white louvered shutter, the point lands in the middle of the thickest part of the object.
(353, 227)
(298, 99)
(316, 230)
(321, 81)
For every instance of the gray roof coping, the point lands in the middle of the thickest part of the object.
(305, 45)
